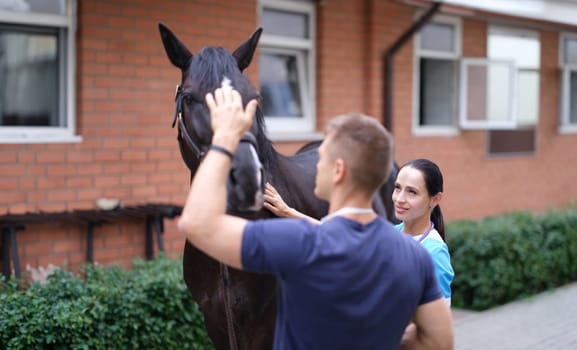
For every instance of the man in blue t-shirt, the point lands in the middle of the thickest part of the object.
(352, 282)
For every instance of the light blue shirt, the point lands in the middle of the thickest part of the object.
(439, 252)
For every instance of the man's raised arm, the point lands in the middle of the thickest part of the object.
(203, 219)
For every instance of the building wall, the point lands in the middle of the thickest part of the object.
(125, 105)
(476, 184)
(125, 87)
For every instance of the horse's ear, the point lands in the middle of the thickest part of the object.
(245, 52)
(178, 54)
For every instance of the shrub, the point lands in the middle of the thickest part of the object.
(147, 307)
(503, 258)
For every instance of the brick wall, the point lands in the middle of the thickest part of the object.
(352, 41)
(125, 87)
(125, 91)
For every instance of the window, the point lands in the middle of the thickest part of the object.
(502, 92)
(437, 57)
(286, 66)
(37, 56)
(522, 48)
(487, 94)
(568, 61)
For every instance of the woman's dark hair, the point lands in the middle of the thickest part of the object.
(434, 183)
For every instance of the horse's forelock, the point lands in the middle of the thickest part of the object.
(207, 69)
(210, 65)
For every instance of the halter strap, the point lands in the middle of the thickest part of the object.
(183, 134)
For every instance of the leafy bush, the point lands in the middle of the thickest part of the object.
(503, 258)
(147, 307)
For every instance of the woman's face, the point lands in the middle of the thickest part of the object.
(410, 196)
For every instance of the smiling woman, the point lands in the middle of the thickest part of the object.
(418, 192)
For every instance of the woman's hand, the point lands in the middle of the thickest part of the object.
(274, 202)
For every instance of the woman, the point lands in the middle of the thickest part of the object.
(418, 191)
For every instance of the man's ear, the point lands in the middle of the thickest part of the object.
(339, 170)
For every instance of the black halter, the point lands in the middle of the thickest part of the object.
(184, 136)
(182, 132)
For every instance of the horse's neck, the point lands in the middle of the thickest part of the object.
(294, 178)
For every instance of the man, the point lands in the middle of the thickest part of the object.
(352, 282)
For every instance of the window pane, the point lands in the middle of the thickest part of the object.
(476, 93)
(500, 92)
(523, 50)
(280, 87)
(528, 102)
(489, 92)
(438, 95)
(29, 78)
(285, 23)
(570, 51)
(573, 98)
(438, 37)
(37, 6)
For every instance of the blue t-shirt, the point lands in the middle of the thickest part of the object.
(342, 284)
(439, 251)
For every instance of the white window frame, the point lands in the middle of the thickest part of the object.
(300, 61)
(435, 130)
(514, 121)
(290, 128)
(565, 126)
(67, 95)
(466, 124)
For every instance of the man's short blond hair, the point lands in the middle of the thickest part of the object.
(364, 145)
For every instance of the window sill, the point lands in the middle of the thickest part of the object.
(35, 139)
(304, 136)
(435, 131)
(568, 129)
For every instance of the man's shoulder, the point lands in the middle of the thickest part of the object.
(281, 225)
(279, 229)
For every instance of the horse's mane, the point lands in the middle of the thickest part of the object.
(210, 65)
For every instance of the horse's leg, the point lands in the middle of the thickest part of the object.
(201, 277)
(257, 324)
(252, 300)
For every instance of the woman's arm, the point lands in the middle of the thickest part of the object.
(274, 202)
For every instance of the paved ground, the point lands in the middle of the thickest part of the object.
(547, 321)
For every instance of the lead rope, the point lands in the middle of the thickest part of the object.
(227, 308)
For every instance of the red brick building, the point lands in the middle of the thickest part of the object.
(87, 100)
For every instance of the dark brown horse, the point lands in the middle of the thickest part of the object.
(252, 296)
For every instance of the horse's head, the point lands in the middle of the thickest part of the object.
(202, 73)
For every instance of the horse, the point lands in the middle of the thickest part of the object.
(238, 306)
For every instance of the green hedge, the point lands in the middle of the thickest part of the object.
(496, 260)
(147, 307)
(504, 258)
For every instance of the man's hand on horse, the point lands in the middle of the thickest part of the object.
(228, 117)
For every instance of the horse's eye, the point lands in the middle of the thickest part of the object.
(189, 99)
